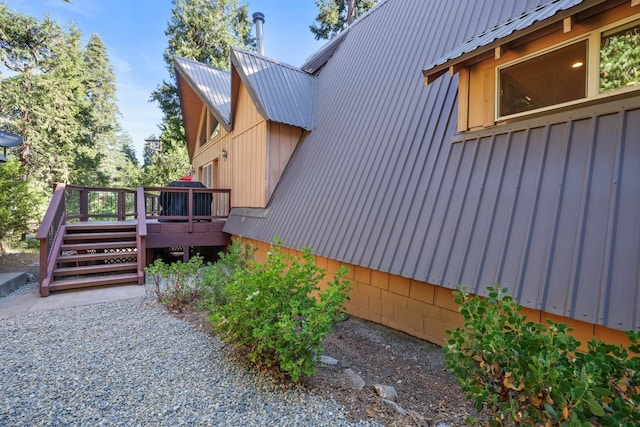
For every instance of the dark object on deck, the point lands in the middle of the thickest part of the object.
(177, 203)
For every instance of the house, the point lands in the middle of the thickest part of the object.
(437, 143)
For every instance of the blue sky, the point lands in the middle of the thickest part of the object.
(133, 32)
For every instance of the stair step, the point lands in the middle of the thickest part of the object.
(91, 281)
(95, 269)
(100, 225)
(97, 246)
(101, 256)
(100, 236)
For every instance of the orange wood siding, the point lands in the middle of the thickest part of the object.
(281, 143)
(421, 309)
(247, 154)
(481, 88)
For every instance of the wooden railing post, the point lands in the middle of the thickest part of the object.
(141, 235)
(49, 233)
(84, 204)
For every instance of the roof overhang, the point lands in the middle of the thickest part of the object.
(186, 76)
(492, 42)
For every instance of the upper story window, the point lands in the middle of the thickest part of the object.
(548, 79)
(599, 63)
(620, 57)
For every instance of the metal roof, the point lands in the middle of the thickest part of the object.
(281, 92)
(550, 209)
(518, 25)
(213, 86)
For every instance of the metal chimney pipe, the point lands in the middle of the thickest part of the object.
(258, 19)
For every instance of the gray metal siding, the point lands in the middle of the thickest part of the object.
(550, 211)
(212, 85)
(282, 93)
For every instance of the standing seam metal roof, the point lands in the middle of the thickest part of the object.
(282, 93)
(550, 209)
(519, 24)
(213, 86)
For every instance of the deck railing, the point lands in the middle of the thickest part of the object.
(71, 203)
(186, 204)
(99, 204)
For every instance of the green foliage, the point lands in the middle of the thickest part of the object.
(175, 284)
(272, 311)
(620, 60)
(205, 31)
(215, 277)
(60, 97)
(333, 16)
(18, 202)
(525, 372)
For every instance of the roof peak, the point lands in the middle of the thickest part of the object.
(266, 58)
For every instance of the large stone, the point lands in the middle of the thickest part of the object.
(395, 406)
(355, 381)
(386, 392)
(328, 360)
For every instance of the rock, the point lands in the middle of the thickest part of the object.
(395, 406)
(355, 381)
(328, 360)
(417, 418)
(386, 392)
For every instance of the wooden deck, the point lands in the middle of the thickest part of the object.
(100, 236)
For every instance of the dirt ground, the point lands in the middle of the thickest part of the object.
(427, 393)
(415, 368)
(17, 262)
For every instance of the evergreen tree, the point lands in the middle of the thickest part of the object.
(203, 30)
(335, 15)
(101, 118)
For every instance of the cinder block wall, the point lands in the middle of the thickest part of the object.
(421, 309)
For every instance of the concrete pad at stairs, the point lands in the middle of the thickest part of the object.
(13, 305)
(9, 282)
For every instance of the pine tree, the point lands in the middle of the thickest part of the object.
(335, 15)
(203, 30)
(101, 118)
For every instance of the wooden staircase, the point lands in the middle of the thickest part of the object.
(96, 253)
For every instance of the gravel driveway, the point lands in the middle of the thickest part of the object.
(130, 363)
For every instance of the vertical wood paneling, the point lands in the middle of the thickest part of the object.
(281, 143)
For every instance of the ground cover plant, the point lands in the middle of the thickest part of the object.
(528, 373)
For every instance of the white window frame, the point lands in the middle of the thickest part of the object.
(593, 70)
(207, 175)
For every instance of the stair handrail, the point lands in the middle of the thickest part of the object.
(49, 235)
(141, 233)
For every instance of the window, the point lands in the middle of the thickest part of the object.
(603, 62)
(216, 129)
(552, 78)
(207, 175)
(620, 57)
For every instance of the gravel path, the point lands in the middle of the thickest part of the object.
(131, 363)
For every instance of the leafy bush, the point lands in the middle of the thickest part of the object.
(175, 284)
(528, 373)
(214, 278)
(272, 312)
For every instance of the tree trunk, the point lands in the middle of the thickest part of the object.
(351, 12)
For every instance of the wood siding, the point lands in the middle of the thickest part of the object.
(257, 154)
(281, 142)
(421, 309)
(481, 90)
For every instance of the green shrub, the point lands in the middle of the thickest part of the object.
(528, 373)
(175, 284)
(271, 311)
(214, 278)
